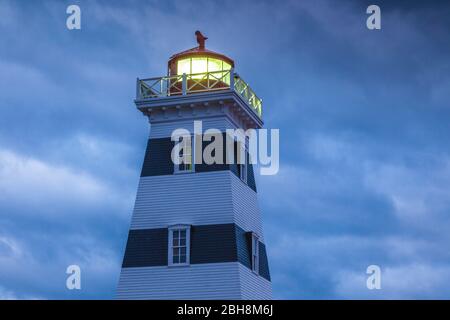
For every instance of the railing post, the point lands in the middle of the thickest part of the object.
(184, 84)
(232, 78)
(138, 89)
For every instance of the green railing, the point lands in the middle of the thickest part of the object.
(244, 90)
(185, 84)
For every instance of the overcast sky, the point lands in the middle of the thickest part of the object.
(364, 121)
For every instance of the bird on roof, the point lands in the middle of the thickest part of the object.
(200, 40)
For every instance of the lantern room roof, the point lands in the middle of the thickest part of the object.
(197, 52)
(200, 51)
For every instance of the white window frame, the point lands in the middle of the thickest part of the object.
(176, 167)
(255, 253)
(176, 228)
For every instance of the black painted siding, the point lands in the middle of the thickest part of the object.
(146, 248)
(209, 244)
(157, 160)
(213, 243)
(203, 167)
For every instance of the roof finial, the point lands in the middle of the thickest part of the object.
(200, 40)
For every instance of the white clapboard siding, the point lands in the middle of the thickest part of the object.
(199, 281)
(197, 199)
(245, 206)
(165, 129)
(253, 286)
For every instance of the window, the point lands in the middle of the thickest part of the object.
(179, 243)
(185, 155)
(243, 170)
(184, 66)
(199, 65)
(241, 161)
(202, 65)
(255, 253)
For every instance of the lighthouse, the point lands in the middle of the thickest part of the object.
(196, 230)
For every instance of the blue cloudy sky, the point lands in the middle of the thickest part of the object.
(364, 121)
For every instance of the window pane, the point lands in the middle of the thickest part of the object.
(182, 242)
(188, 146)
(183, 234)
(185, 167)
(184, 66)
(199, 65)
(226, 79)
(182, 259)
(183, 251)
(226, 66)
(176, 238)
(176, 252)
(215, 65)
(186, 155)
(188, 159)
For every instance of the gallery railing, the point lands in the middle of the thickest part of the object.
(185, 84)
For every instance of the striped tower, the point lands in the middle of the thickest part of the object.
(196, 228)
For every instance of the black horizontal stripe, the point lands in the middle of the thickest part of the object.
(209, 244)
(158, 161)
(147, 247)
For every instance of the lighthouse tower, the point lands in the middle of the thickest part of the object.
(196, 229)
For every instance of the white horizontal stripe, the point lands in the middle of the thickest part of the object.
(254, 287)
(200, 281)
(229, 280)
(199, 198)
(165, 129)
(245, 206)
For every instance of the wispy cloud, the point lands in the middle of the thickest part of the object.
(35, 183)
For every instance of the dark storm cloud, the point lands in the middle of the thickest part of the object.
(363, 118)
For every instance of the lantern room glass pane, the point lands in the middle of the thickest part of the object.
(184, 66)
(202, 65)
(199, 65)
(226, 66)
(214, 65)
(226, 77)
